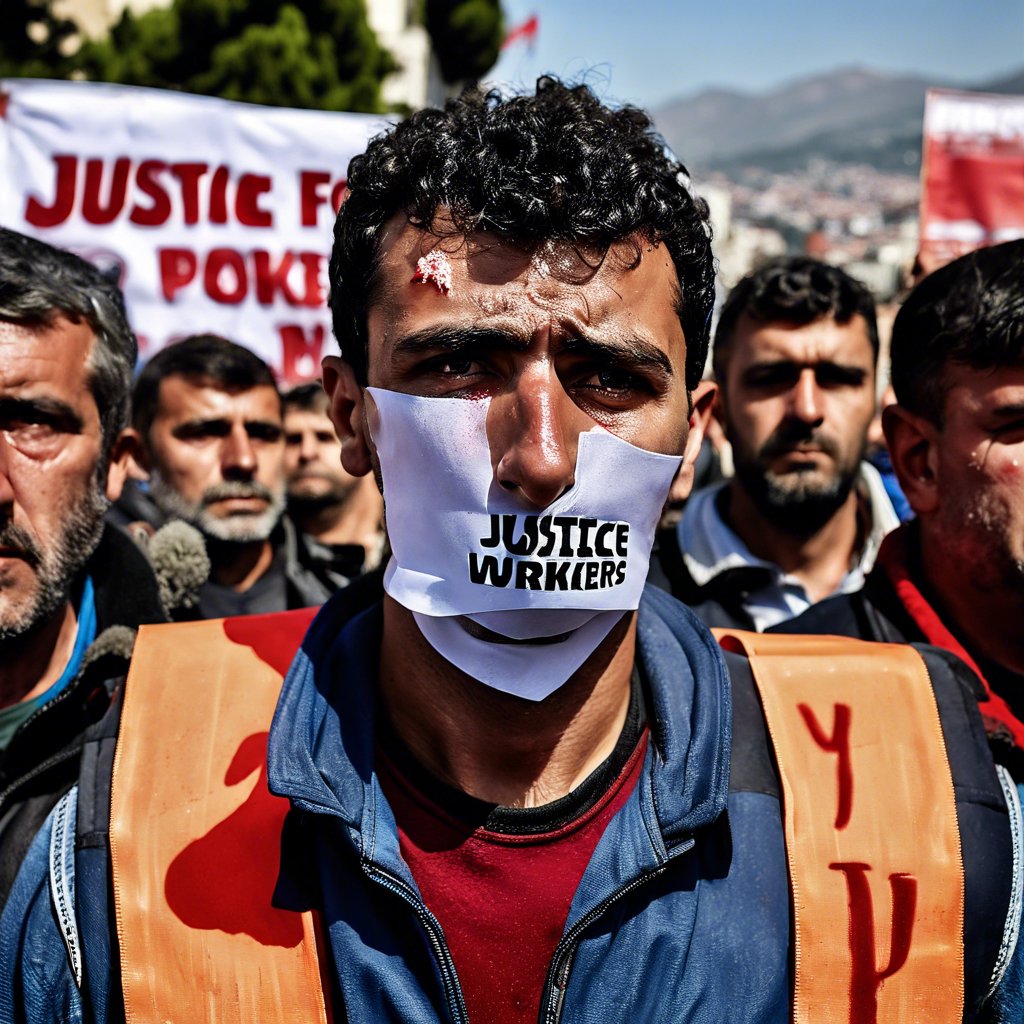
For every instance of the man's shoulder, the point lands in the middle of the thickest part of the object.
(840, 615)
(127, 592)
(874, 612)
(716, 590)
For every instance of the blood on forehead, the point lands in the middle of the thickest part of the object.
(498, 277)
(435, 268)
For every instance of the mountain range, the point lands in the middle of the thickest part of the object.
(852, 115)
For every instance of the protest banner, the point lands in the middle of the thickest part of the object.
(972, 176)
(216, 215)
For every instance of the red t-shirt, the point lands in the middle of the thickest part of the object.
(501, 897)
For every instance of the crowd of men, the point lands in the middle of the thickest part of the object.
(522, 780)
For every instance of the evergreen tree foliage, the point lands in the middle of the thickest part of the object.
(466, 36)
(33, 40)
(319, 55)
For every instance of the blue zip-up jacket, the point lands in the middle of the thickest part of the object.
(683, 913)
(679, 916)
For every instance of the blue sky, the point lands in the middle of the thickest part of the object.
(651, 52)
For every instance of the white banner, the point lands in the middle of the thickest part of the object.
(217, 215)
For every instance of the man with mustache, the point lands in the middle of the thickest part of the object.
(510, 783)
(954, 576)
(340, 515)
(794, 356)
(209, 415)
(71, 591)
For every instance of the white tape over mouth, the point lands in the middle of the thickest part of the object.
(464, 546)
(530, 671)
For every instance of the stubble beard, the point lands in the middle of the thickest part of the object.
(799, 502)
(56, 568)
(240, 528)
(980, 543)
(303, 502)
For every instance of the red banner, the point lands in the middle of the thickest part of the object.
(972, 188)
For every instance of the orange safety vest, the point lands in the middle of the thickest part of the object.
(870, 823)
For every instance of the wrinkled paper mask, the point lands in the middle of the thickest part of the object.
(462, 545)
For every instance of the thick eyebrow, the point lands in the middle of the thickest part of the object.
(770, 365)
(1009, 410)
(221, 427)
(51, 410)
(629, 349)
(458, 339)
(635, 351)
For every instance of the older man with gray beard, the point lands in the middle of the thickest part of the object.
(208, 413)
(71, 591)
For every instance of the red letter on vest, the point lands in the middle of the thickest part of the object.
(839, 744)
(866, 979)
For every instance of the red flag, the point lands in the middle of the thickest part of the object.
(528, 31)
(972, 174)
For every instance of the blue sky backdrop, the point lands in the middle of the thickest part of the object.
(652, 52)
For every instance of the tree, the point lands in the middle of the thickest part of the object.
(34, 41)
(466, 36)
(320, 55)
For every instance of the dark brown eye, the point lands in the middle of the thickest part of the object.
(456, 366)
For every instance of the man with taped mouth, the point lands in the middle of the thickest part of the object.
(209, 414)
(514, 785)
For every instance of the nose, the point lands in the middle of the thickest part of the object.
(533, 430)
(805, 398)
(307, 447)
(237, 455)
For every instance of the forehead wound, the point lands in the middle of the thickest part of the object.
(434, 269)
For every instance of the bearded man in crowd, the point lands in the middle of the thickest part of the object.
(72, 591)
(209, 416)
(795, 356)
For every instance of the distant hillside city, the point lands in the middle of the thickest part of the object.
(828, 165)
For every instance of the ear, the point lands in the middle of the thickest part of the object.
(913, 448)
(126, 459)
(346, 409)
(703, 401)
(718, 407)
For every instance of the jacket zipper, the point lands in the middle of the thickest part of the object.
(453, 991)
(561, 962)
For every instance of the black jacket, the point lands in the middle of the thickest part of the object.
(872, 613)
(42, 760)
(718, 604)
(308, 581)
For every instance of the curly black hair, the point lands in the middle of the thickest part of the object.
(969, 312)
(793, 290)
(555, 166)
